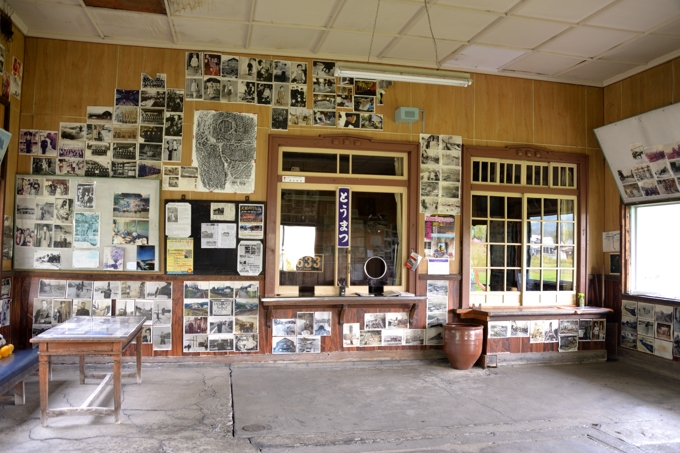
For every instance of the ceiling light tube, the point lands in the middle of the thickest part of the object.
(402, 74)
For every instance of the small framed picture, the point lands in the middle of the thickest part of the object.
(615, 263)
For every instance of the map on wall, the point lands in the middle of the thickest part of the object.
(224, 151)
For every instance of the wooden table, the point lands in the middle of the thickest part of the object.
(83, 336)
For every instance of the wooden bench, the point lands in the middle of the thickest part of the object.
(13, 370)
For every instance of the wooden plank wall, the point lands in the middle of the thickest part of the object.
(62, 78)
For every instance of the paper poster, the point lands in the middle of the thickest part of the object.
(440, 173)
(223, 212)
(438, 266)
(250, 258)
(251, 221)
(611, 241)
(85, 259)
(178, 220)
(226, 235)
(208, 235)
(180, 256)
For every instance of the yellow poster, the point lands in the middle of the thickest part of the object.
(180, 256)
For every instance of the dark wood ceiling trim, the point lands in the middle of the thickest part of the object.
(141, 6)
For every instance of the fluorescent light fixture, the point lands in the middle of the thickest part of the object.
(402, 74)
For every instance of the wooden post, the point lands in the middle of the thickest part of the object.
(139, 357)
(43, 370)
(82, 369)
(117, 387)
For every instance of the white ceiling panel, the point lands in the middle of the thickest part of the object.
(300, 12)
(129, 25)
(392, 16)
(296, 39)
(644, 50)
(452, 24)
(223, 9)
(345, 43)
(569, 11)
(587, 41)
(637, 15)
(523, 33)
(598, 71)
(214, 32)
(52, 18)
(63, 2)
(483, 57)
(420, 49)
(672, 29)
(543, 64)
(500, 6)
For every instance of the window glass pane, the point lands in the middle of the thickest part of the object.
(534, 208)
(502, 173)
(567, 210)
(497, 255)
(563, 176)
(514, 208)
(478, 279)
(514, 232)
(534, 232)
(479, 206)
(533, 255)
(530, 175)
(478, 254)
(309, 162)
(497, 207)
(511, 276)
(485, 172)
(566, 233)
(550, 233)
(383, 166)
(544, 181)
(508, 173)
(566, 256)
(514, 256)
(550, 280)
(344, 163)
(533, 280)
(556, 176)
(550, 209)
(479, 229)
(570, 177)
(475, 171)
(518, 174)
(566, 280)
(497, 280)
(492, 172)
(497, 231)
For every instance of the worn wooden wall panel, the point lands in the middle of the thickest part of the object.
(503, 109)
(448, 110)
(647, 91)
(612, 103)
(596, 213)
(132, 61)
(594, 114)
(400, 94)
(559, 114)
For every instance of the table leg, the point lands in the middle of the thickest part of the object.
(117, 387)
(82, 369)
(139, 357)
(44, 371)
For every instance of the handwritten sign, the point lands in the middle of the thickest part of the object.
(343, 217)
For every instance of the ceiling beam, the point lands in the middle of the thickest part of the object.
(171, 22)
(94, 22)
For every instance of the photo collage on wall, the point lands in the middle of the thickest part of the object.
(650, 328)
(60, 300)
(221, 316)
(5, 301)
(301, 334)
(130, 139)
(440, 173)
(656, 171)
(566, 332)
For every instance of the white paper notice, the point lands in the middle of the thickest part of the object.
(223, 211)
(250, 257)
(208, 235)
(438, 266)
(226, 235)
(178, 220)
(611, 241)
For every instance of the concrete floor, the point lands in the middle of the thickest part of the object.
(360, 407)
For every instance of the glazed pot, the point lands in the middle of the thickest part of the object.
(463, 344)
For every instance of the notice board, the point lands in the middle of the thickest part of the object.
(211, 221)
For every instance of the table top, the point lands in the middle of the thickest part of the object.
(86, 328)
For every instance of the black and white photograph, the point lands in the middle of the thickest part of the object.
(229, 66)
(193, 88)
(283, 327)
(645, 344)
(247, 68)
(222, 307)
(437, 303)
(172, 149)
(124, 151)
(323, 68)
(374, 321)
(196, 290)
(365, 87)
(63, 236)
(5, 312)
(85, 192)
(629, 308)
(220, 343)
(298, 96)
(264, 93)
(71, 167)
(246, 92)
(193, 64)
(150, 134)
(174, 100)
(347, 81)
(62, 310)
(676, 344)
(372, 121)
(79, 289)
(279, 119)
(436, 319)
(42, 311)
(568, 343)
(350, 335)
(434, 336)
(149, 169)
(629, 324)
(663, 331)
(245, 324)
(162, 338)
(123, 114)
(158, 290)
(97, 150)
(324, 101)
(645, 328)
(127, 97)
(71, 149)
(323, 85)
(125, 132)
(437, 288)
(162, 312)
(25, 233)
(281, 95)
(150, 151)
(284, 345)
(45, 259)
(676, 319)
(211, 89)
(25, 208)
(51, 288)
(569, 327)
(229, 90)
(364, 104)
(132, 289)
(106, 290)
(300, 117)
(392, 337)
(28, 141)
(298, 73)
(551, 330)
(173, 124)
(629, 340)
(396, 320)
(43, 166)
(414, 337)
(369, 338)
(99, 132)
(195, 343)
(599, 327)
(499, 329)
(245, 307)
(72, 131)
(98, 167)
(536, 334)
(282, 71)
(305, 323)
(246, 343)
(44, 209)
(519, 328)
(322, 323)
(585, 329)
(264, 72)
(151, 116)
(220, 324)
(144, 308)
(663, 349)
(662, 313)
(6, 288)
(157, 82)
(349, 120)
(43, 235)
(646, 311)
(324, 118)
(101, 307)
